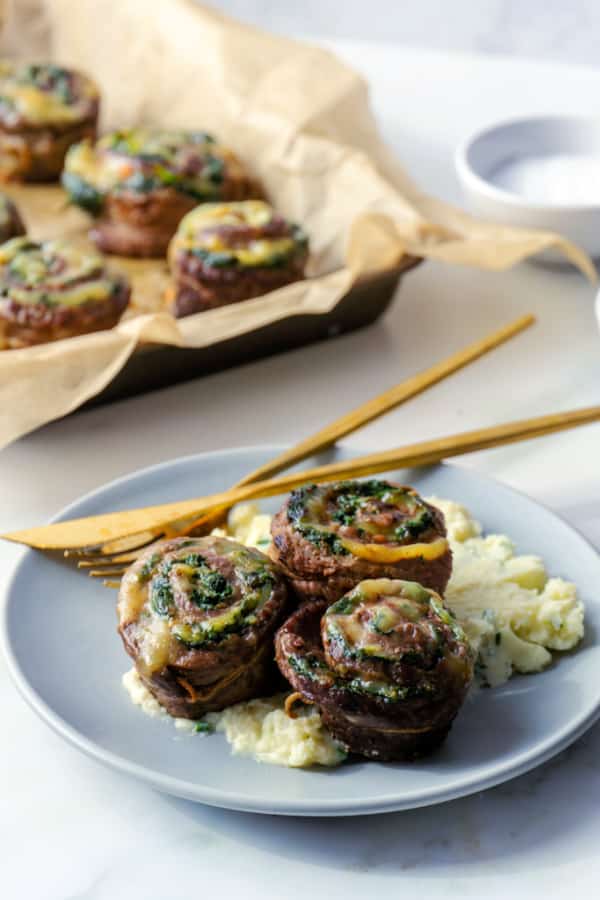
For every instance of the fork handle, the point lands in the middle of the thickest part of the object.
(367, 412)
(112, 526)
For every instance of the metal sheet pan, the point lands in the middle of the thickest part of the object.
(154, 367)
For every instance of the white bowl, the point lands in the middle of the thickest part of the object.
(483, 160)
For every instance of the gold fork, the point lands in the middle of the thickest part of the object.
(107, 564)
(115, 525)
(111, 557)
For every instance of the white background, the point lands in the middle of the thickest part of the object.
(566, 30)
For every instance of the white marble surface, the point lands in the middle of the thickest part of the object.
(545, 29)
(71, 829)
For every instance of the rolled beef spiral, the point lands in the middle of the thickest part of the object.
(224, 253)
(328, 537)
(54, 289)
(387, 665)
(44, 109)
(198, 617)
(140, 183)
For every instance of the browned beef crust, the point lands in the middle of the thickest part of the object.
(37, 154)
(140, 224)
(208, 288)
(24, 325)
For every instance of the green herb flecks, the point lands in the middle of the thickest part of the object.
(415, 525)
(161, 596)
(344, 606)
(323, 539)
(82, 193)
(216, 260)
(214, 169)
(147, 569)
(210, 588)
(310, 666)
(198, 634)
(203, 727)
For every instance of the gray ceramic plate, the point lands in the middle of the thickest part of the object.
(66, 658)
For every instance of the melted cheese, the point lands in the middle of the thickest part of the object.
(155, 644)
(251, 213)
(195, 232)
(383, 553)
(31, 278)
(38, 106)
(132, 597)
(44, 107)
(102, 170)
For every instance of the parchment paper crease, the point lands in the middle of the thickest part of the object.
(301, 120)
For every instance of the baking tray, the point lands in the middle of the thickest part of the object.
(152, 367)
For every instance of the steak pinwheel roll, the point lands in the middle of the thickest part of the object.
(198, 618)
(328, 537)
(139, 184)
(44, 109)
(11, 224)
(223, 253)
(54, 290)
(387, 665)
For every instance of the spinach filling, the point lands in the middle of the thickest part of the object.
(198, 634)
(49, 78)
(161, 596)
(215, 259)
(309, 666)
(213, 169)
(414, 526)
(82, 193)
(322, 539)
(221, 259)
(189, 578)
(448, 619)
(348, 498)
(147, 569)
(344, 606)
(298, 510)
(210, 588)
(203, 727)
(313, 668)
(390, 692)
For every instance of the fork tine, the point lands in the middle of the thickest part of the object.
(97, 552)
(106, 563)
(102, 573)
(111, 584)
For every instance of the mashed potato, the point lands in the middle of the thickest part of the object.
(141, 696)
(261, 728)
(511, 610)
(513, 613)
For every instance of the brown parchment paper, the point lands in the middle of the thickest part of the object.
(297, 115)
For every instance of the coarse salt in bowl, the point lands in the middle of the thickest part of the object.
(540, 172)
